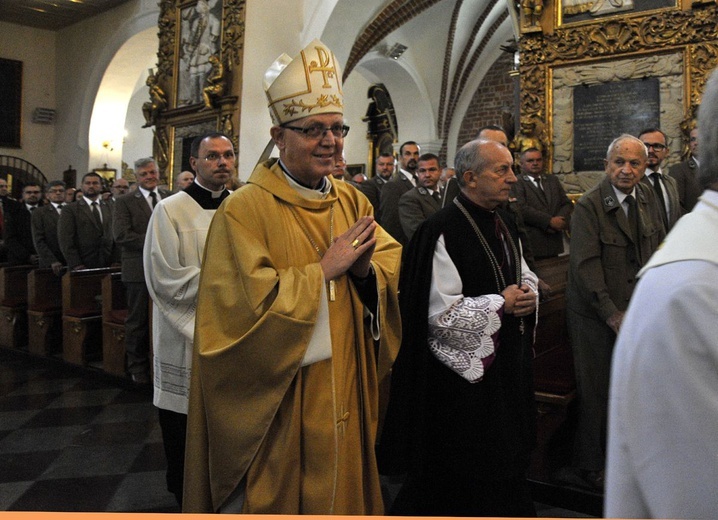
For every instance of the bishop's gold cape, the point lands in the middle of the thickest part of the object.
(303, 437)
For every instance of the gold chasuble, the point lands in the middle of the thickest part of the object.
(300, 437)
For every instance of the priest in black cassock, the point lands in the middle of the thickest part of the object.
(461, 418)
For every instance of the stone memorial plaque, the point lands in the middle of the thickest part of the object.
(603, 112)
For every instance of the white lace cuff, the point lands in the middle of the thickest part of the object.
(461, 337)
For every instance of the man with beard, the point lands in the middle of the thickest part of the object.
(85, 228)
(173, 252)
(131, 216)
(118, 189)
(393, 190)
(664, 187)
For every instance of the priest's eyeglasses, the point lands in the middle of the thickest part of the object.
(319, 131)
(214, 156)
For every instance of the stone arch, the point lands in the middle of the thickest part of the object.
(129, 52)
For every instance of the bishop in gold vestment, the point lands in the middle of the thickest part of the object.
(284, 395)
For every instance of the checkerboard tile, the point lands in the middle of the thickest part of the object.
(77, 440)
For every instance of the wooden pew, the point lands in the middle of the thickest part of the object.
(13, 306)
(82, 315)
(114, 312)
(554, 378)
(44, 312)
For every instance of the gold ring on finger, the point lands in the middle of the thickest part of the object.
(355, 244)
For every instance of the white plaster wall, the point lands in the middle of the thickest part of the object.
(36, 49)
(138, 142)
(84, 52)
(267, 36)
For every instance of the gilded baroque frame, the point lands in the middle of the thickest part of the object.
(197, 96)
(689, 29)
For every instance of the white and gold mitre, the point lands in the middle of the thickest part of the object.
(307, 85)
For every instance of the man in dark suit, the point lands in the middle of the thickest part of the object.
(119, 188)
(393, 190)
(418, 204)
(5, 202)
(84, 230)
(372, 188)
(18, 226)
(131, 214)
(685, 174)
(44, 228)
(543, 204)
(664, 187)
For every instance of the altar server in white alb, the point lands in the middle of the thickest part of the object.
(173, 253)
(663, 445)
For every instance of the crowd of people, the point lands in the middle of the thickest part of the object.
(284, 312)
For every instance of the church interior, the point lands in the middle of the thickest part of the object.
(93, 85)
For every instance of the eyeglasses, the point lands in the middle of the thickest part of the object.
(214, 156)
(319, 131)
(656, 146)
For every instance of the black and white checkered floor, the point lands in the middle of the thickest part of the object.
(74, 439)
(71, 440)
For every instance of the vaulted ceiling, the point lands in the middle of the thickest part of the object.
(52, 14)
(449, 46)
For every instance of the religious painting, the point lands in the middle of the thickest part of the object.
(183, 137)
(10, 103)
(572, 11)
(199, 24)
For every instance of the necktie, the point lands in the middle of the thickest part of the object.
(632, 217)
(32, 208)
(437, 196)
(538, 183)
(656, 178)
(96, 213)
(153, 196)
(59, 209)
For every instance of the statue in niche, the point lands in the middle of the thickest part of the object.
(215, 83)
(158, 101)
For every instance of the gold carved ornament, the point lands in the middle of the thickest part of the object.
(665, 29)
